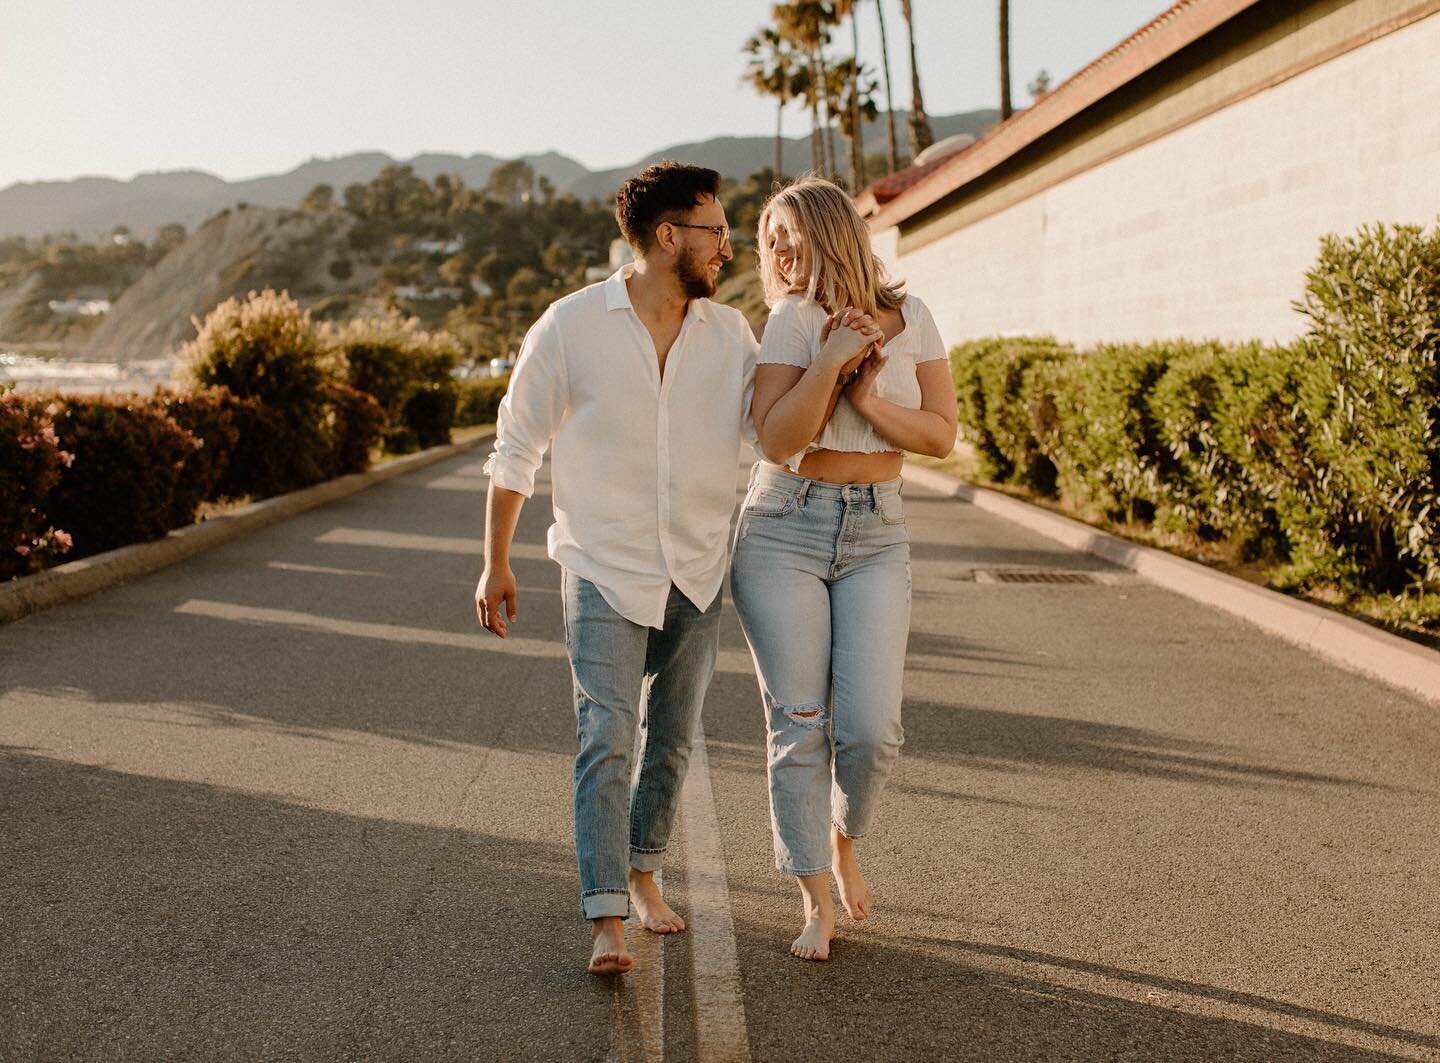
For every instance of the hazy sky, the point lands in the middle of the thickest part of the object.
(117, 87)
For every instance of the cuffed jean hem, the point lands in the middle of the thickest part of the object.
(605, 904)
(800, 872)
(647, 859)
(847, 834)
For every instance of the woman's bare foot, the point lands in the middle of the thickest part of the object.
(609, 955)
(655, 915)
(855, 892)
(814, 941)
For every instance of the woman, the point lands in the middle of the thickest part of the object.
(851, 375)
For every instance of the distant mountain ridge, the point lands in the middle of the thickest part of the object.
(91, 206)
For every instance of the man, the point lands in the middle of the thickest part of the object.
(642, 385)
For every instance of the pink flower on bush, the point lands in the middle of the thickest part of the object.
(23, 550)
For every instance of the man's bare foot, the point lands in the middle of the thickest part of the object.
(609, 955)
(655, 915)
(814, 941)
(855, 892)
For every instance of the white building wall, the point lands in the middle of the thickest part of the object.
(1207, 231)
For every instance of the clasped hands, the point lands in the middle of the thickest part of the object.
(850, 344)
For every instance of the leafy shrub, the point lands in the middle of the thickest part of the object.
(267, 349)
(408, 370)
(1324, 453)
(429, 414)
(210, 417)
(990, 377)
(1110, 456)
(966, 361)
(1206, 490)
(479, 400)
(1373, 306)
(31, 464)
(354, 421)
(121, 487)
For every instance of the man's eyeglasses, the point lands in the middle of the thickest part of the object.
(722, 232)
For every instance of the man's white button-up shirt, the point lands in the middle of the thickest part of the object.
(644, 467)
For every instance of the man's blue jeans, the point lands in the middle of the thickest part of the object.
(631, 681)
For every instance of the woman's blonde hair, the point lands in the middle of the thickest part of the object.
(818, 216)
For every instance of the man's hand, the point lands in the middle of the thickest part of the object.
(496, 588)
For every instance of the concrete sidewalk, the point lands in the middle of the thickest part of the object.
(285, 800)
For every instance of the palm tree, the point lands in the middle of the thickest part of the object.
(807, 23)
(921, 136)
(770, 72)
(894, 147)
(1005, 109)
(851, 93)
(855, 84)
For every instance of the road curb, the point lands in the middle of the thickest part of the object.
(76, 579)
(1340, 639)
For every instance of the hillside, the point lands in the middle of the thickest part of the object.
(90, 206)
(229, 255)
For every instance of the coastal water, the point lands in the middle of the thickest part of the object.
(28, 372)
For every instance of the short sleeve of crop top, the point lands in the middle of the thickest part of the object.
(792, 332)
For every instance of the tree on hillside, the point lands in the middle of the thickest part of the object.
(320, 199)
(395, 192)
(921, 136)
(743, 201)
(512, 182)
(167, 238)
(770, 71)
(1006, 110)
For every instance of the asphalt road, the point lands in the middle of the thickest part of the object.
(286, 801)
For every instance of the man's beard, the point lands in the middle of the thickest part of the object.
(693, 276)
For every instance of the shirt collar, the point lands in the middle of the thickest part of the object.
(617, 295)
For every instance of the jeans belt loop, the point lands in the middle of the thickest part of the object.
(804, 490)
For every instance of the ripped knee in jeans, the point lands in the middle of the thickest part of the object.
(806, 714)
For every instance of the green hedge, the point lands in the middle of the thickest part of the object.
(31, 462)
(1323, 454)
(409, 372)
(129, 460)
(479, 400)
(266, 414)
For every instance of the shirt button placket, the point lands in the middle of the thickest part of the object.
(662, 447)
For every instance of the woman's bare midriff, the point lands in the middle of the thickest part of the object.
(849, 467)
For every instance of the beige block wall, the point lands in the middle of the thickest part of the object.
(1207, 231)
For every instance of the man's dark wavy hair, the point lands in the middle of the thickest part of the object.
(663, 192)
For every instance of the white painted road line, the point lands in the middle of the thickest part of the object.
(720, 1033)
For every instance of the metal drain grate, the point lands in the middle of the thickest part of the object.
(1081, 578)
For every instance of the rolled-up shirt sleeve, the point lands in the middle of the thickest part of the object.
(531, 410)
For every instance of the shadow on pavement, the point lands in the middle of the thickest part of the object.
(951, 1004)
(183, 920)
(959, 733)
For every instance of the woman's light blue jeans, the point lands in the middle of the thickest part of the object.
(821, 579)
(631, 682)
